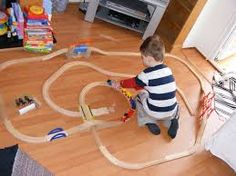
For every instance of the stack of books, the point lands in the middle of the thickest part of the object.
(38, 31)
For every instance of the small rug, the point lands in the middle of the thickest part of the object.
(15, 162)
(26, 166)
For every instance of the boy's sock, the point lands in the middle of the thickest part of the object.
(172, 131)
(153, 128)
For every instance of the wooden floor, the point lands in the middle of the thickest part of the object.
(78, 154)
(228, 64)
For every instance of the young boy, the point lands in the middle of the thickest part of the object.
(157, 99)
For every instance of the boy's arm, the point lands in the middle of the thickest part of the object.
(130, 83)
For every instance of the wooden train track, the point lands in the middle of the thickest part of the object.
(94, 125)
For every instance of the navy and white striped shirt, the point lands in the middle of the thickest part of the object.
(159, 82)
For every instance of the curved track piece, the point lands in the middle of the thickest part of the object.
(6, 64)
(59, 72)
(127, 165)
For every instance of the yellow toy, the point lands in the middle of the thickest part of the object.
(36, 10)
(3, 26)
(3, 29)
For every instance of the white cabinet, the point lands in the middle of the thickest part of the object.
(128, 14)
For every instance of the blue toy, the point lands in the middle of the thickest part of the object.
(59, 133)
(79, 50)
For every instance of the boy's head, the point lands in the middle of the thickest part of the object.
(153, 47)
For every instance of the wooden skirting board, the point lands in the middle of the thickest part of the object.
(94, 125)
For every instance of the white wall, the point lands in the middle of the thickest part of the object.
(212, 27)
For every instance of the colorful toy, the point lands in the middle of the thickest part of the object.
(3, 29)
(3, 17)
(75, 51)
(3, 21)
(127, 115)
(19, 19)
(80, 49)
(12, 23)
(128, 95)
(83, 48)
(207, 105)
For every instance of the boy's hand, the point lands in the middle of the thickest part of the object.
(113, 84)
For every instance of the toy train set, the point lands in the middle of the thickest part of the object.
(89, 123)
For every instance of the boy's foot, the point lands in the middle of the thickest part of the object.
(174, 126)
(153, 128)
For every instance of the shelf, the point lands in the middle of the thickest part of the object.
(125, 11)
(128, 14)
(102, 14)
(160, 3)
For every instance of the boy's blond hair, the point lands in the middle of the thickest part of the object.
(154, 47)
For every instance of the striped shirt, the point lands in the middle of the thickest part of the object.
(159, 82)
